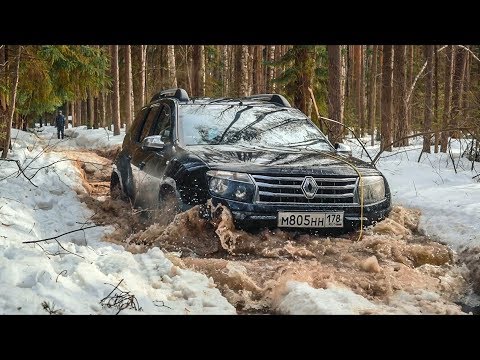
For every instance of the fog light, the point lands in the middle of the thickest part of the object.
(241, 192)
(218, 186)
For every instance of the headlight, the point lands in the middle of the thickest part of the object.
(373, 189)
(231, 185)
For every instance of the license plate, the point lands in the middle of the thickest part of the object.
(311, 219)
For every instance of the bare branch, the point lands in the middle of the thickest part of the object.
(56, 237)
(425, 65)
(51, 308)
(19, 169)
(64, 272)
(352, 131)
(375, 159)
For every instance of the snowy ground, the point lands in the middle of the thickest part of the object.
(34, 274)
(449, 201)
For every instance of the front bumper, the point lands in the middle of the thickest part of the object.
(260, 215)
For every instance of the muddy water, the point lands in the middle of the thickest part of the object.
(252, 271)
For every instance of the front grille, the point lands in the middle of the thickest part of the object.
(288, 189)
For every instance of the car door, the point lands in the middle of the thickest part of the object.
(139, 156)
(152, 163)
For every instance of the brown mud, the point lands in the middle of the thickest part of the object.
(252, 271)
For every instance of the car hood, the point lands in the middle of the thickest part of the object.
(279, 161)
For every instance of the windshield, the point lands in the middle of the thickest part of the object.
(246, 125)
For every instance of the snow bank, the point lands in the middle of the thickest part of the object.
(302, 299)
(449, 201)
(74, 279)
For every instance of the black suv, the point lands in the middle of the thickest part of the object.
(266, 161)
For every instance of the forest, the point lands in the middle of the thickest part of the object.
(390, 92)
(73, 239)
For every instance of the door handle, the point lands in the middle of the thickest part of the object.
(141, 165)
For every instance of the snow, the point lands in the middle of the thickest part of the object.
(449, 201)
(302, 299)
(450, 213)
(74, 280)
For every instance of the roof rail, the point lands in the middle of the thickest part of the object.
(177, 93)
(272, 98)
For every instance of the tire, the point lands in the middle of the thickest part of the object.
(116, 192)
(168, 206)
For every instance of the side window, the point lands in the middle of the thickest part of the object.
(132, 136)
(164, 124)
(147, 125)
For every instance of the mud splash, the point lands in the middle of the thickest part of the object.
(393, 266)
(253, 271)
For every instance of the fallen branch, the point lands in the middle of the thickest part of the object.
(51, 308)
(19, 169)
(121, 300)
(162, 304)
(56, 237)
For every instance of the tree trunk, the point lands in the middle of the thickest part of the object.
(4, 75)
(343, 74)
(387, 105)
(371, 93)
(128, 87)
(96, 109)
(448, 96)
(457, 87)
(257, 69)
(172, 71)
(225, 71)
(251, 51)
(85, 112)
(198, 84)
(138, 76)
(122, 84)
(357, 55)
(466, 88)
(335, 108)
(100, 117)
(399, 95)
(379, 93)
(410, 79)
(17, 50)
(276, 69)
(244, 71)
(270, 59)
(90, 110)
(428, 110)
(435, 101)
(74, 113)
(304, 64)
(78, 109)
(241, 75)
(116, 92)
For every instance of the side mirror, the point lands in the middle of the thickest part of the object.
(343, 149)
(153, 143)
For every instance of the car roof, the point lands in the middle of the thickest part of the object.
(180, 96)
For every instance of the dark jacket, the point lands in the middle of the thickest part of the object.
(60, 121)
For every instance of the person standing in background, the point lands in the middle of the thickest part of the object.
(60, 124)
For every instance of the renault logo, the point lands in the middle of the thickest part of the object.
(309, 187)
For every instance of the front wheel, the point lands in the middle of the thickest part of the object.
(168, 206)
(116, 192)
